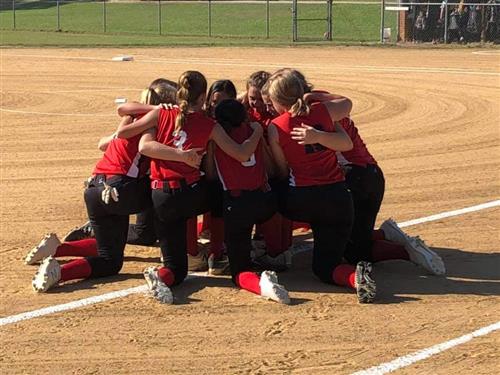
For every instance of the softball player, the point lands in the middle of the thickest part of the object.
(247, 200)
(317, 193)
(366, 182)
(118, 187)
(179, 192)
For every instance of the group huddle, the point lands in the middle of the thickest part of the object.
(279, 154)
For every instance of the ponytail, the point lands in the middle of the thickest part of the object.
(191, 86)
(300, 108)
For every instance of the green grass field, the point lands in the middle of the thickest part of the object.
(181, 24)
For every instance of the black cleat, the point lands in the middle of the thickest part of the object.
(79, 233)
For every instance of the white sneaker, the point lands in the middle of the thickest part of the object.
(366, 289)
(158, 289)
(420, 254)
(47, 247)
(47, 276)
(270, 289)
(393, 232)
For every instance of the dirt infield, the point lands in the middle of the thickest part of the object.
(430, 117)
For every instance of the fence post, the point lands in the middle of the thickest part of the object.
(159, 17)
(382, 21)
(294, 20)
(445, 22)
(330, 20)
(209, 18)
(267, 18)
(58, 17)
(104, 15)
(14, 13)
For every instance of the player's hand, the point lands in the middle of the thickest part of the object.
(305, 135)
(109, 193)
(193, 157)
(257, 127)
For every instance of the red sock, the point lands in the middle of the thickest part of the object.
(248, 281)
(272, 232)
(216, 236)
(386, 250)
(76, 269)
(378, 234)
(82, 248)
(192, 238)
(344, 274)
(205, 224)
(166, 275)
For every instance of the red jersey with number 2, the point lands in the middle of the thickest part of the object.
(195, 134)
(309, 165)
(235, 175)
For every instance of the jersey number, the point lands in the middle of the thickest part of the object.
(316, 147)
(181, 138)
(250, 162)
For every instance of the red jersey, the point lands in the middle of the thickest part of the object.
(359, 155)
(235, 175)
(122, 157)
(262, 119)
(195, 134)
(309, 165)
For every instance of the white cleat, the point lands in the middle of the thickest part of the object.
(47, 247)
(366, 289)
(393, 232)
(420, 254)
(47, 276)
(270, 289)
(157, 288)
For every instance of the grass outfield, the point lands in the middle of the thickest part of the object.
(183, 24)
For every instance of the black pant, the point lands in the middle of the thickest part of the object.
(143, 231)
(241, 212)
(367, 187)
(173, 207)
(110, 221)
(329, 210)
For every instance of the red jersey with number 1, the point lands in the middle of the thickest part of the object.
(122, 157)
(309, 165)
(195, 134)
(235, 175)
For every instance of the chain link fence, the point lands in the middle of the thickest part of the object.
(341, 21)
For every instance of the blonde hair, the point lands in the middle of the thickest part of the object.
(160, 91)
(286, 89)
(191, 86)
(303, 81)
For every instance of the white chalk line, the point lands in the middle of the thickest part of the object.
(409, 359)
(329, 68)
(487, 53)
(123, 293)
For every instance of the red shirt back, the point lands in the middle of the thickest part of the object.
(359, 155)
(195, 134)
(122, 157)
(309, 164)
(235, 175)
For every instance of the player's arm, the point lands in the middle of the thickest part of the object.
(339, 108)
(149, 120)
(277, 152)
(269, 163)
(338, 140)
(106, 140)
(241, 152)
(321, 96)
(149, 146)
(134, 108)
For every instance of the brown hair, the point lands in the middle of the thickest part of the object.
(286, 89)
(160, 91)
(258, 79)
(192, 85)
